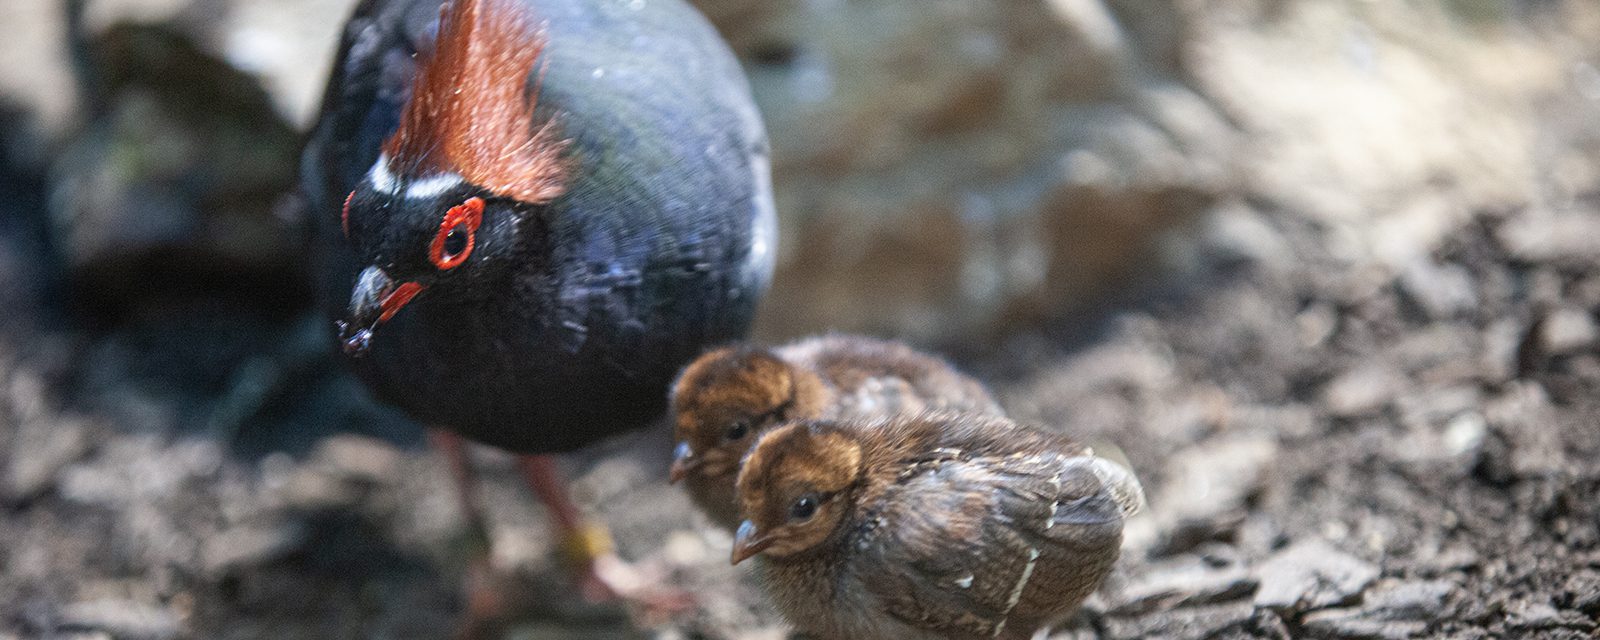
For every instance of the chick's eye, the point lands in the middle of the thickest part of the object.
(803, 508)
(457, 234)
(739, 430)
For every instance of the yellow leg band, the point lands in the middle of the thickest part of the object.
(587, 543)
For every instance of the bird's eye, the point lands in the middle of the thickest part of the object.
(457, 234)
(738, 430)
(455, 242)
(804, 508)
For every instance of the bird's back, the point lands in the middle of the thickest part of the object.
(974, 527)
(882, 377)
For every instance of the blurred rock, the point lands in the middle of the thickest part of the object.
(39, 450)
(342, 472)
(34, 68)
(1357, 625)
(1181, 582)
(944, 167)
(1441, 291)
(1390, 610)
(122, 619)
(1569, 237)
(1428, 111)
(1443, 353)
(1437, 406)
(1237, 232)
(1361, 391)
(1410, 600)
(1195, 623)
(1311, 575)
(252, 545)
(683, 548)
(288, 43)
(952, 166)
(169, 189)
(358, 458)
(1464, 434)
(314, 490)
(1567, 330)
(1204, 490)
(1532, 616)
(1501, 342)
(1523, 418)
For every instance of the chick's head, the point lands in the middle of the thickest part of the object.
(723, 400)
(795, 489)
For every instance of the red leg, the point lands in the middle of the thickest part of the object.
(454, 448)
(588, 547)
(544, 476)
(483, 599)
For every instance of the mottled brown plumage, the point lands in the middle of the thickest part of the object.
(934, 525)
(728, 397)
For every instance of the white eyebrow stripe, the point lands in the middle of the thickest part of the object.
(381, 178)
(433, 186)
(385, 181)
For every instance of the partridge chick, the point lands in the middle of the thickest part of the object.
(935, 525)
(729, 396)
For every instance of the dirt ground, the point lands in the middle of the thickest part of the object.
(1328, 451)
(1334, 444)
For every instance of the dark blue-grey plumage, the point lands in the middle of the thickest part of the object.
(661, 245)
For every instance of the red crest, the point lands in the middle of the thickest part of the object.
(472, 110)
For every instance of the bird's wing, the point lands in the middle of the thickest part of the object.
(958, 542)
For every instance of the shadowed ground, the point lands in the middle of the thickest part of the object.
(1326, 274)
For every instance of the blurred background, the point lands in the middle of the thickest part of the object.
(1325, 270)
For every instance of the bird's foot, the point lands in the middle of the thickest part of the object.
(640, 589)
(604, 577)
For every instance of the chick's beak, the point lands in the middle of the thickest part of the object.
(748, 542)
(683, 462)
(376, 298)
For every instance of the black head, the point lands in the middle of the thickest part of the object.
(446, 208)
(438, 235)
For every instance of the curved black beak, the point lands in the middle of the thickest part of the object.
(375, 299)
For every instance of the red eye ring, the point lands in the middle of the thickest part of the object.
(344, 216)
(470, 214)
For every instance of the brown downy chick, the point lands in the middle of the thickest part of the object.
(936, 525)
(727, 397)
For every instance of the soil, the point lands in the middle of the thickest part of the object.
(1333, 447)
(1329, 451)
